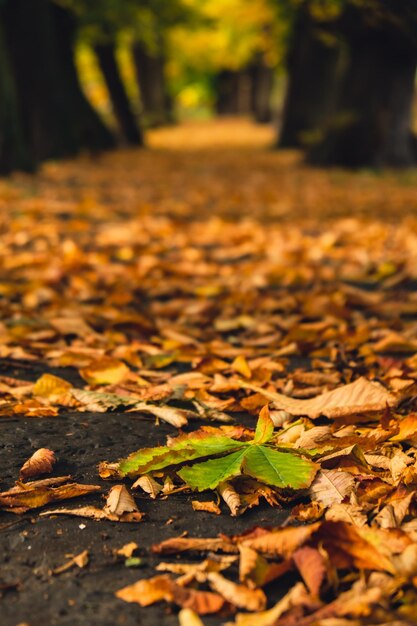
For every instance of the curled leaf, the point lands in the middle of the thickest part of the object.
(41, 462)
(231, 497)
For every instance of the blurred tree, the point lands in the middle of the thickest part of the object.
(371, 125)
(43, 106)
(261, 84)
(14, 151)
(314, 65)
(100, 23)
(106, 55)
(154, 21)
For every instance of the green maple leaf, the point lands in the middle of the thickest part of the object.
(222, 457)
(198, 444)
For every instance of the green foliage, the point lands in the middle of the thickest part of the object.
(224, 453)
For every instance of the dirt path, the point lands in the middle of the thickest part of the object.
(208, 235)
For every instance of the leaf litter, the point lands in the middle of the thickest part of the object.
(162, 316)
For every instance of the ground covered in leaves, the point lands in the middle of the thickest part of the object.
(208, 383)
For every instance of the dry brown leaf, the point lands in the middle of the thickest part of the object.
(146, 592)
(209, 507)
(257, 571)
(148, 484)
(407, 429)
(281, 542)
(346, 546)
(311, 565)
(119, 501)
(185, 544)
(251, 566)
(171, 415)
(393, 513)
(41, 462)
(345, 512)
(239, 595)
(294, 597)
(119, 507)
(90, 512)
(231, 498)
(331, 486)
(395, 342)
(362, 396)
(27, 496)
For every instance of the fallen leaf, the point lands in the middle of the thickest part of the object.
(146, 592)
(208, 506)
(358, 397)
(294, 597)
(26, 497)
(238, 595)
(149, 485)
(105, 371)
(231, 497)
(331, 486)
(41, 462)
(311, 565)
(281, 542)
(51, 387)
(119, 501)
(190, 544)
(346, 512)
(119, 507)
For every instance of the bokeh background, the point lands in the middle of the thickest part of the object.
(335, 78)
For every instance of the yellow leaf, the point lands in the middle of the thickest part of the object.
(51, 387)
(105, 371)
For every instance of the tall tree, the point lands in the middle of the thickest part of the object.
(51, 117)
(261, 82)
(150, 73)
(313, 69)
(99, 24)
(128, 124)
(371, 125)
(233, 89)
(14, 151)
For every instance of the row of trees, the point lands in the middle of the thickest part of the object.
(44, 112)
(350, 65)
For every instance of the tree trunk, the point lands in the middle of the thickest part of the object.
(262, 77)
(56, 118)
(14, 152)
(90, 131)
(313, 65)
(155, 98)
(233, 92)
(119, 98)
(372, 123)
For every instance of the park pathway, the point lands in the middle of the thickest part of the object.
(203, 260)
